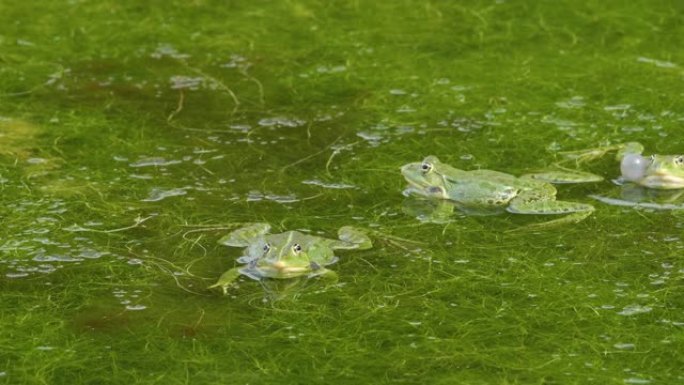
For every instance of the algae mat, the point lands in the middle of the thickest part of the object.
(134, 136)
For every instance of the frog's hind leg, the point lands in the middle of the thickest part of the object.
(242, 237)
(227, 279)
(575, 211)
(590, 154)
(567, 219)
(352, 238)
(563, 176)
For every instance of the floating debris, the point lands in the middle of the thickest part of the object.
(154, 161)
(635, 309)
(281, 121)
(635, 380)
(255, 196)
(618, 107)
(179, 82)
(167, 50)
(158, 194)
(136, 307)
(334, 186)
(572, 103)
(657, 63)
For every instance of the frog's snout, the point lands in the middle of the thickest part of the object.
(405, 169)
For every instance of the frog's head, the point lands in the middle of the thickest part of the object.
(289, 254)
(656, 171)
(426, 177)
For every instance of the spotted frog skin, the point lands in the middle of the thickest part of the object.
(665, 172)
(662, 172)
(286, 255)
(528, 194)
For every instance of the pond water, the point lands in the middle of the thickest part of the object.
(133, 136)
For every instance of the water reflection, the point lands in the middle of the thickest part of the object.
(631, 195)
(443, 211)
(275, 290)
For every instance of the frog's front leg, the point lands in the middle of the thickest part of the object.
(227, 279)
(324, 274)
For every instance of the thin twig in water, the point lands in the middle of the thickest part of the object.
(179, 108)
(335, 152)
(175, 278)
(258, 83)
(137, 223)
(219, 83)
(326, 148)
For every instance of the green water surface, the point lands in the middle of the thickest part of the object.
(133, 135)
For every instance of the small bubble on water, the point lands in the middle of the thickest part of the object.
(16, 275)
(636, 380)
(634, 309)
(44, 348)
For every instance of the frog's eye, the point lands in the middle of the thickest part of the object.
(267, 248)
(679, 160)
(426, 167)
(296, 248)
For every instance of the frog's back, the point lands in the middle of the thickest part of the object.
(481, 192)
(494, 176)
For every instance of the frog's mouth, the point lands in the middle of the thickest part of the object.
(424, 190)
(418, 184)
(663, 180)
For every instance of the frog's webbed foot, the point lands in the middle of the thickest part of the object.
(227, 280)
(629, 148)
(352, 238)
(242, 237)
(587, 155)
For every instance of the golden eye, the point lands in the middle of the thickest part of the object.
(679, 160)
(426, 167)
(296, 248)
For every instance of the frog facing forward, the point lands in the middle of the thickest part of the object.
(286, 255)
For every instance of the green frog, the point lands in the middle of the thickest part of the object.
(286, 255)
(528, 194)
(662, 172)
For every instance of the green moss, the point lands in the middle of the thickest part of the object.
(133, 136)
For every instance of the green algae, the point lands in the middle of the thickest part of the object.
(162, 126)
